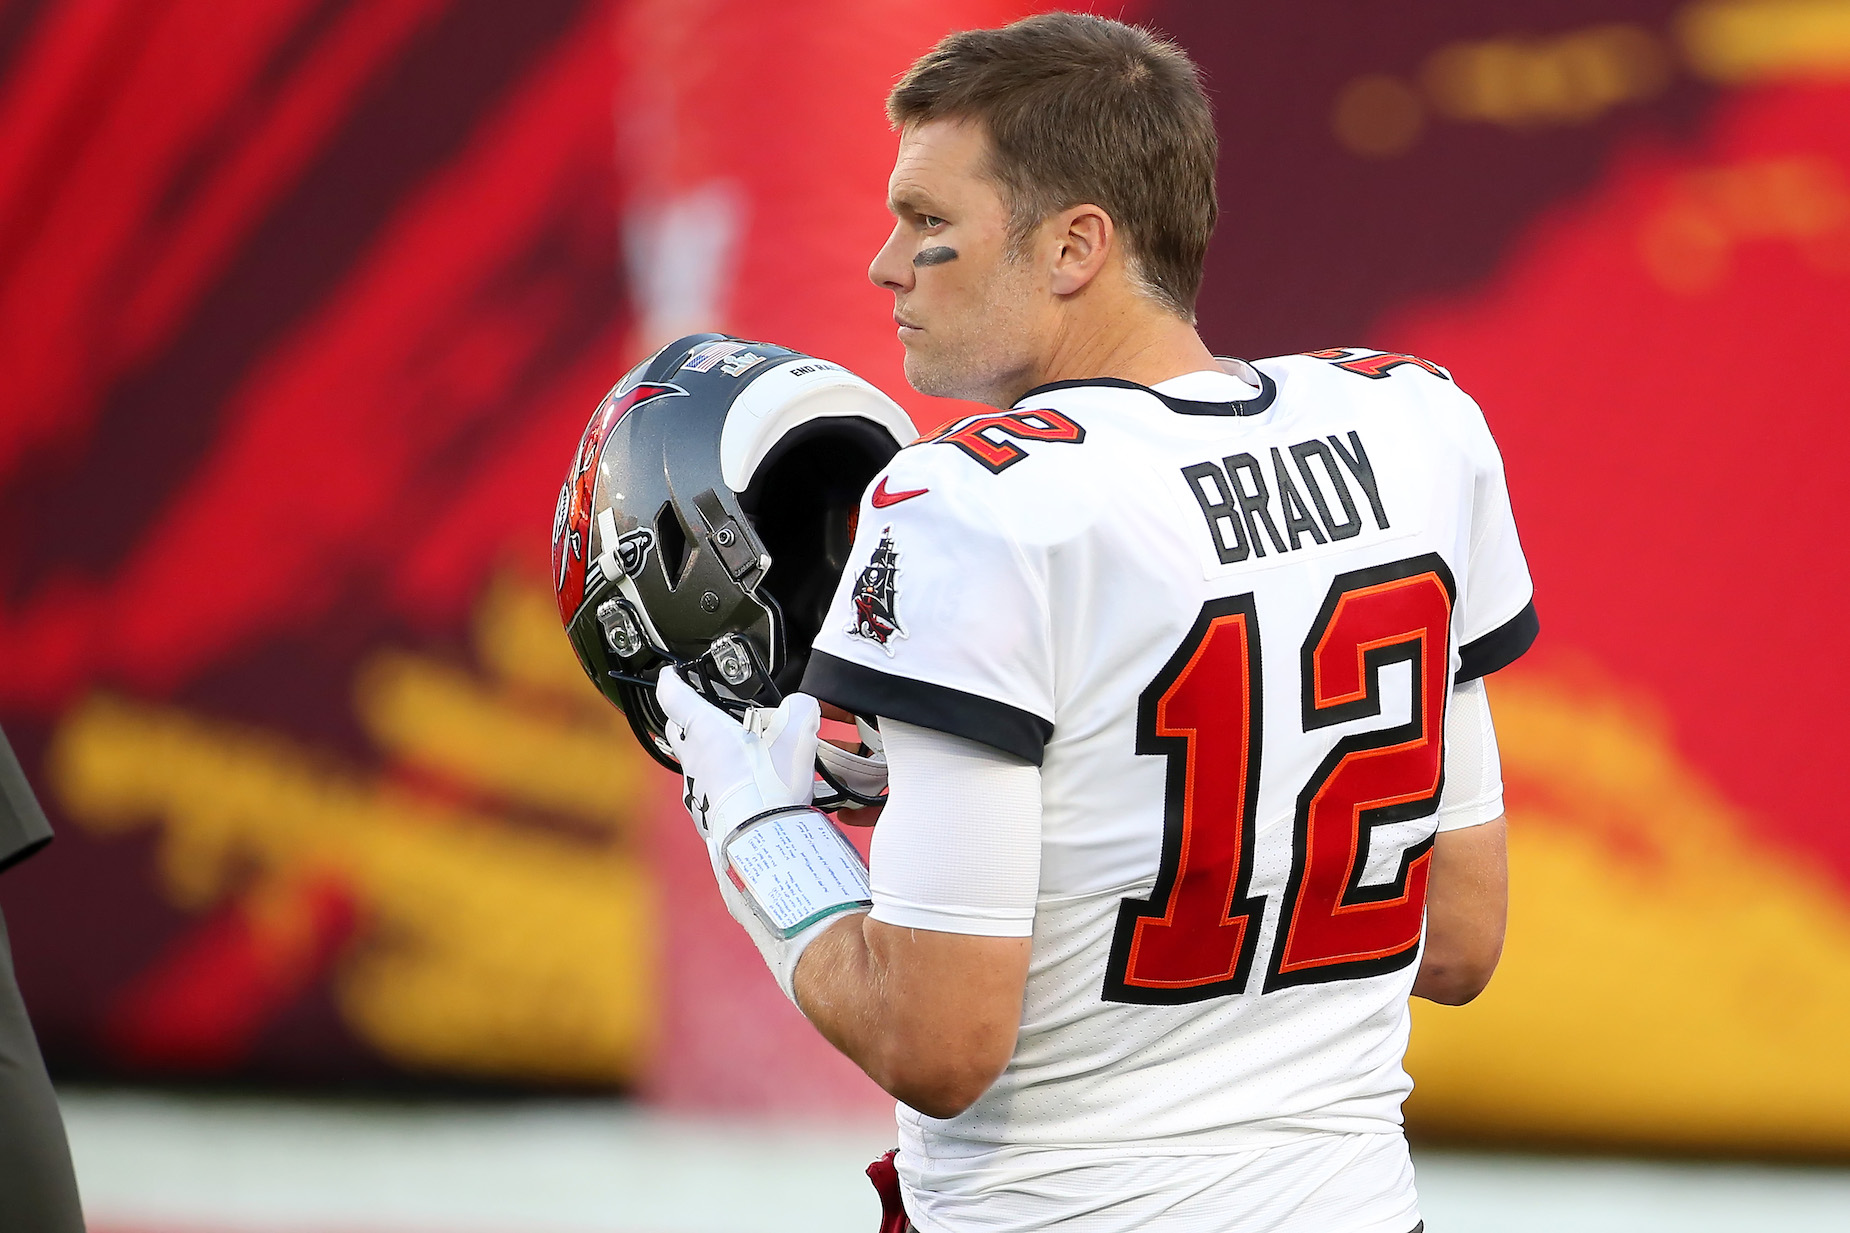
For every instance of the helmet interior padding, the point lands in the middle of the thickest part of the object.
(803, 502)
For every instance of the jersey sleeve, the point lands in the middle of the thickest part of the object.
(1498, 620)
(958, 849)
(941, 617)
(1473, 792)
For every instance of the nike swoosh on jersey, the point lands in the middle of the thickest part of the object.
(882, 498)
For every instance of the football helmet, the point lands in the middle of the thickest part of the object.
(704, 523)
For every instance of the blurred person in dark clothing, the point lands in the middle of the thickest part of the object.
(38, 1189)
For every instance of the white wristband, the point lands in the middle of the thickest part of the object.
(794, 870)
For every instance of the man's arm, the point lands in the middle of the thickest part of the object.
(931, 1017)
(1467, 904)
(927, 999)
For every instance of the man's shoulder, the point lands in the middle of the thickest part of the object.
(1014, 483)
(1368, 363)
(1001, 442)
(1028, 464)
(1063, 438)
(1365, 376)
(1366, 383)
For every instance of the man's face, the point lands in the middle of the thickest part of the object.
(969, 316)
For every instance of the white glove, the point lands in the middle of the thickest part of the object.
(783, 870)
(736, 771)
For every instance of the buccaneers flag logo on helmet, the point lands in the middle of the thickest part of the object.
(571, 520)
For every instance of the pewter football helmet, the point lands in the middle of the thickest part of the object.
(706, 518)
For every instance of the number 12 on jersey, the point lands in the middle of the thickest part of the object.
(1197, 934)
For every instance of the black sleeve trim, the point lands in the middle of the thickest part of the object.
(1499, 648)
(866, 691)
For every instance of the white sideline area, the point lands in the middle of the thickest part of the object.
(167, 1163)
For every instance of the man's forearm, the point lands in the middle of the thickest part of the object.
(1467, 907)
(931, 1017)
(836, 986)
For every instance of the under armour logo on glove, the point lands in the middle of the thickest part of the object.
(696, 806)
(783, 871)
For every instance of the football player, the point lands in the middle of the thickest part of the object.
(38, 1187)
(1176, 662)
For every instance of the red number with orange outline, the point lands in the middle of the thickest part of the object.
(1195, 936)
(997, 452)
(1374, 364)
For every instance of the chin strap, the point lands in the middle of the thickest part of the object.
(858, 778)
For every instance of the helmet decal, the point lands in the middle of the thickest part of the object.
(731, 356)
(633, 550)
(571, 520)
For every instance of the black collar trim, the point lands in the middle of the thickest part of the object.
(1268, 391)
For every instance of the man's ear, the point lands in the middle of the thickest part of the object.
(1083, 237)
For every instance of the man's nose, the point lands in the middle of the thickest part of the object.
(890, 270)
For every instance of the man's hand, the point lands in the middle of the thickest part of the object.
(784, 872)
(736, 771)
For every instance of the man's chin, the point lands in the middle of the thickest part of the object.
(935, 378)
(922, 375)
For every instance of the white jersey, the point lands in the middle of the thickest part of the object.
(1227, 632)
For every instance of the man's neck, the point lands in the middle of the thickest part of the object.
(1144, 344)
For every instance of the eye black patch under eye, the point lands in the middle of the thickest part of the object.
(935, 256)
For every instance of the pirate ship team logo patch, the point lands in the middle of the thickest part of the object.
(875, 594)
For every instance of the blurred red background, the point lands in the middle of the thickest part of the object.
(302, 306)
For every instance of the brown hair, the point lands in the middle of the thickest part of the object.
(1084, 109)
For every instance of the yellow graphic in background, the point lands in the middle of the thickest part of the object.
(1568, 79)
(1688, 242)
(487, 947)
(1525, 82)
(1741, 41)
(1668, 980)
